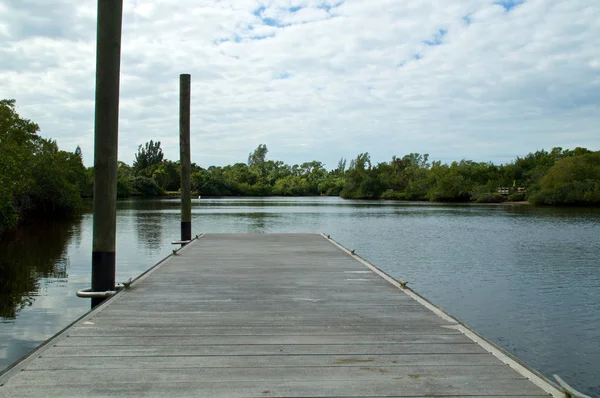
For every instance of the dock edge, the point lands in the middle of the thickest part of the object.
(524, 370)
(20, 364)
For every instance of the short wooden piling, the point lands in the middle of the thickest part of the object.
(106, 127)
(184, 156)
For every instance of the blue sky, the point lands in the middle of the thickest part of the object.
(317, 79)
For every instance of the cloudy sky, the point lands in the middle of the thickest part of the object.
(317, 79)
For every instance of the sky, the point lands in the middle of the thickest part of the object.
(485, 80)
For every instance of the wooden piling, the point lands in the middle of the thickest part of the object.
(106, 127)
(184, 156)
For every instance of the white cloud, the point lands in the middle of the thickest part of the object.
(317, 79)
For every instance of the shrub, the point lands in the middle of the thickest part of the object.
(145, 186)
(517, 197)
(393, 195)
(488, 197)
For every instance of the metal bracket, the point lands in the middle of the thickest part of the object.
(88, 293)
(180, 242)
(569, 391)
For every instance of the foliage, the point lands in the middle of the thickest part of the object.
(148, 158)
(17, 140)
(145, 186)
(55, 174)
(517, 197)
(258, 157)
(168, 175)
(488, 197)
(37, 178)
(362, 179)
(410, 177)
(393, 195)
(554, 177)
(571, 180)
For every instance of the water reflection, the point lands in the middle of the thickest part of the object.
(26, 255)
(148, 228)
(256, 222)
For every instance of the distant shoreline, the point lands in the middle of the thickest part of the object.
(177, 195)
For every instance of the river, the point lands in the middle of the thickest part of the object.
(526, 277)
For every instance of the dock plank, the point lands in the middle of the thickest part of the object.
(263, 350)
(366, 372)
(304, 388)
(277, 315)
(272, 361)
(187, 340)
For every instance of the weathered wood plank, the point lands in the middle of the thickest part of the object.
(300, 388)
(253, 322)
(302, 330)
(265, 350)
(186, 340)
(453, 375)
(272, 361)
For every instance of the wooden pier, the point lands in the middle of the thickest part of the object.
(285, 315)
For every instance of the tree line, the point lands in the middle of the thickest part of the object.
(37, 178)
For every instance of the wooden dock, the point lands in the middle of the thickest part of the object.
(286, 315)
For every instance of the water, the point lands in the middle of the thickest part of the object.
(527, 278)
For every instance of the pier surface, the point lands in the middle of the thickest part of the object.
(280, 315)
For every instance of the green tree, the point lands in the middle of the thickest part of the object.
(292, 186)
(362, 179)
(276, 170)
(341, 166)
(55, 186)
(145, 186)
(125, 177)
(256, 163)
(79, 175)
(258, 157)
(148, 158)
(571, 180)
(450, 185)
(239, 173)
(18, 137)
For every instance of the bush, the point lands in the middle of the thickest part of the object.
(517, 197)
(8, 214)
(145, 186)
(570, 181)
(488, 197)
(124, 187)
(393, 195)
(569, 193)
(331, 186)
(417, 190)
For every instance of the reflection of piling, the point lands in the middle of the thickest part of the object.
(184, 156)
(106, 127)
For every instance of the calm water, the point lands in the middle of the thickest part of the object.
(526, 277)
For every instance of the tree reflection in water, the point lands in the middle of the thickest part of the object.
(30, 253)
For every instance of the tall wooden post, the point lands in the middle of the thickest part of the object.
(106, 127)
(184, 156)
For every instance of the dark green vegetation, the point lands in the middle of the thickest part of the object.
(558, 177)
(36, 178)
